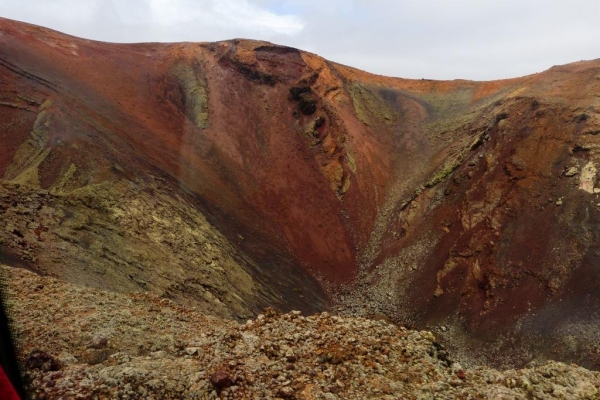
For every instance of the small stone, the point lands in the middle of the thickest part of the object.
(286, 392)
(572, 171)
(190, 351)
(596, 190)
(455, 382)
(94, 356)
(39, 359)
(220, 379)
(559, 202)
(461, 374)
(98, 342)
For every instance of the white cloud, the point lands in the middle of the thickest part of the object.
(440, 39)
(234, 15)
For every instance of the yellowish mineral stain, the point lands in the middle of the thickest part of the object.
(587, 177)
(32, 152)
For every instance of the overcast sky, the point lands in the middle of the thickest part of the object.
(437, 39)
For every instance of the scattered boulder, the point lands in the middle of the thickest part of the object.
(98, 342)
(43, 361)
(93, 356)
(220, 379)
(190, 351)
(572, 171)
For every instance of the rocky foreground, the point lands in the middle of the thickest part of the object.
(77, 342)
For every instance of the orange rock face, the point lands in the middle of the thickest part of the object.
(470, 205)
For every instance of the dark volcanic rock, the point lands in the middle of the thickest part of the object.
(41, 360)
(307, 104)
(220, 380)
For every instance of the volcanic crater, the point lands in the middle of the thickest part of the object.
(238, 175)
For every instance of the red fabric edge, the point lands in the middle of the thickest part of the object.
(7, 391)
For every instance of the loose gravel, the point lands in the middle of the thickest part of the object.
(83, 343)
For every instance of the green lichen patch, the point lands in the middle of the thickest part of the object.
(194, 92)
(372, 107)
(444, 171)
(31, 153)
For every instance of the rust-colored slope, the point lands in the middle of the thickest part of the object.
(468, 204)
(498, 247)
(138, 117)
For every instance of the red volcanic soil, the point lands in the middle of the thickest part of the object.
(469, 205)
